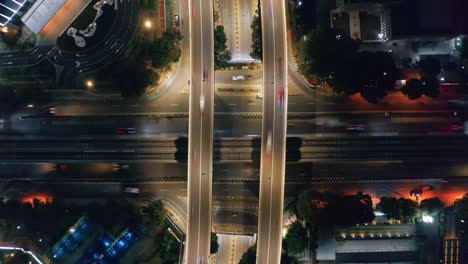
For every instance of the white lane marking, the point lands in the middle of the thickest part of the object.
(174, 104)
(232, 104)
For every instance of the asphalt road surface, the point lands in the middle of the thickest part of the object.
(273, 160)
(200, 145)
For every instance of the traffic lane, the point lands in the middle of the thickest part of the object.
(234, 217)
(250, 77)
(233, 127)
(156, 127)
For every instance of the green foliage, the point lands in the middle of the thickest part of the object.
(249, 257)
(131, 78)
(257, 43)
(429, 68)
(331, 209)
(221, 54)
(329, 53)
(169, 249)
(399, 209)
(115, 215)
(464, 50)
(413, 89)
(166, 50)
(214, 243)
(296, 238)
(432, 205)
(156, 213)
(461, 208)
(333, 57)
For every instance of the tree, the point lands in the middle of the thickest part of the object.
(408, 209)
(222, 55)
(376, 74)
(413, 89)
(214, 243)
(257, 41)
(249, 257)
(432, 205)
(464, 50)
(286, 259)
(430, 86)
(166, 50)
(429, 67)
(132, 78)
(296, 238)
(328, 54)
(398, 209)
(156, 213)
(461, 208)
(390, 207)
(169, 249)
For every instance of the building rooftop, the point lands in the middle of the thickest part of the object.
(9, 9)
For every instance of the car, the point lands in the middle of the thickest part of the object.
(202, 103)
(119, 166)
(249, 77)
(132, 190)
(268, 142)
(455, 127)
(205, 74)
(176, 20)
(126, 130)
(259, 96)
(355, 127)
(281, 95)
(238, 77)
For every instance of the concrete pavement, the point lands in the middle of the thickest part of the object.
(275, 105)
(200, 146)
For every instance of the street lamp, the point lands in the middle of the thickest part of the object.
(89, 84)
(148, 24)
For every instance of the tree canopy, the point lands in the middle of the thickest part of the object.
(221, 54)
(165, 50)
(257, 41)
(432, 205)
(413, 89)
(214, 243)
(329, 53)
(461, 208)
(331, 209)
(334, 57)
(296, 238)
(249, 257)
(398, 209)
(156, 213)
(132, 78)
(464, 50)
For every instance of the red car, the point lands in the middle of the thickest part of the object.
(126, 130)
(281, 95)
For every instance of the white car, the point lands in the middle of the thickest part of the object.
(238, 77)
(202, 103)
(268, 143)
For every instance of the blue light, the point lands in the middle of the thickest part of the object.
(106, 243)
(121, 243)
